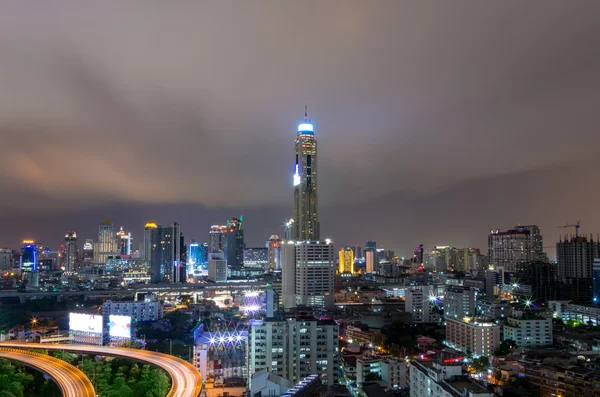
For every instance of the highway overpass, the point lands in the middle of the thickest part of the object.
(185, 378)
(71, 381)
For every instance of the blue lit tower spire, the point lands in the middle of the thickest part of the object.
(305, 225)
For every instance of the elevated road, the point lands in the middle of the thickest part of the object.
(71, 381)
(185, 378)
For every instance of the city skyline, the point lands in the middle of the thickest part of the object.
(410, 152)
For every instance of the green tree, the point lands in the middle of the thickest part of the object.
(481, 364)
(65, 356)
(505, 347)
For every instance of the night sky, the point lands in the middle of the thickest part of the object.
(436, 121)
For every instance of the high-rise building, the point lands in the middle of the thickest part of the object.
(124, 242)
(308, 273)
(520, 244)
(87, 251)
(528, 331)
(441, 258)
(197, 260)
(575, 258)
(6, 260)
(306, 224)
(167, 263)
(479, 336)
(216, 242)
(459, 301)
(294, 348)
(70, 258)
(107, 242)
(234, 242)
(217, 267)
(418, 256)
(29, 256)
(422, 303)
(274, 247)
(147, 248)
(541, 278)
(358, 252)
(257, 258)
(596, 280)
(346, 260)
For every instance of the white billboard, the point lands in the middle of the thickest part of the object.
(85, 323)
(119, 326)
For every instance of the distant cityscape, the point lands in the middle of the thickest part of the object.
(298, 316)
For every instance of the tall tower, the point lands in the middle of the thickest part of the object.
(306, 225)
(70, 252)
(107, 242)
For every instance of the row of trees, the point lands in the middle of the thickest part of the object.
(116, 377)
(18, 381)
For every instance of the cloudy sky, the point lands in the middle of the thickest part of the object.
(436, 121)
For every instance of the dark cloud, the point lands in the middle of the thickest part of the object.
(153, 106)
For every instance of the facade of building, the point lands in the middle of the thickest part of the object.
(371, 264)
(150, 309)
(167, 263)
(596, 280)
(216, 242)
(421, 302)
(575, 258)
(234, 242)
(480, 337)
(494, 310)
(306, 224)
(459, 302)
(124, 242)
(70, 258)
(274, 247)
(6, 260)
(346, 260)
(257, 258)
(520, 244)
(294, 348)
(440, 379)
(217, 267)
(308, 273)
(529, 331)
(29, 257)
(147, 248)
(107, 243)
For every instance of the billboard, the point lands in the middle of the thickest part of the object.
(85, 323)
(119, 326)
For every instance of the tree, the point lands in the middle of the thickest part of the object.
(481, 364)
(65, 356)
(505, 347)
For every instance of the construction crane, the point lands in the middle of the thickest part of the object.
(576, 226)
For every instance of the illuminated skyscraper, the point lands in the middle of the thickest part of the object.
(107, 242)
(197, 260)
(70, 252)
(306, 225)
(29, 256)
(147, 251)
(87, 251)
(124, 241)
(274, 247)
(234, 242)
(216, 241)
(346, 264)
(6, 260)
(167, 256)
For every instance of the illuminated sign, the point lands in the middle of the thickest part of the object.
(296, 177)
(85, 323)
(305, 127)
(119, 326)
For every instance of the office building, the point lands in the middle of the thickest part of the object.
(371, 263)
(494, 310)
(418, 255)
(149, 229)
(346, 260)
(529, 330)
(234, 242)
(274, 247)
(459, 301)
(540, 277)
(308, 273)
(520, 244)
(257, 258)
(167, 261)
(217, 267)
(6, 260)
(70, 257)
(443, 378)
(197, 260)
(306, 225)
(29, 257)
(216, 242)
(422, 303)
(575, 258)
(150, 309)
(358, 251)
(107, 243)
(124, 242)
(294, 348)
(87, 251)
(441, 258)
(478, 336)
